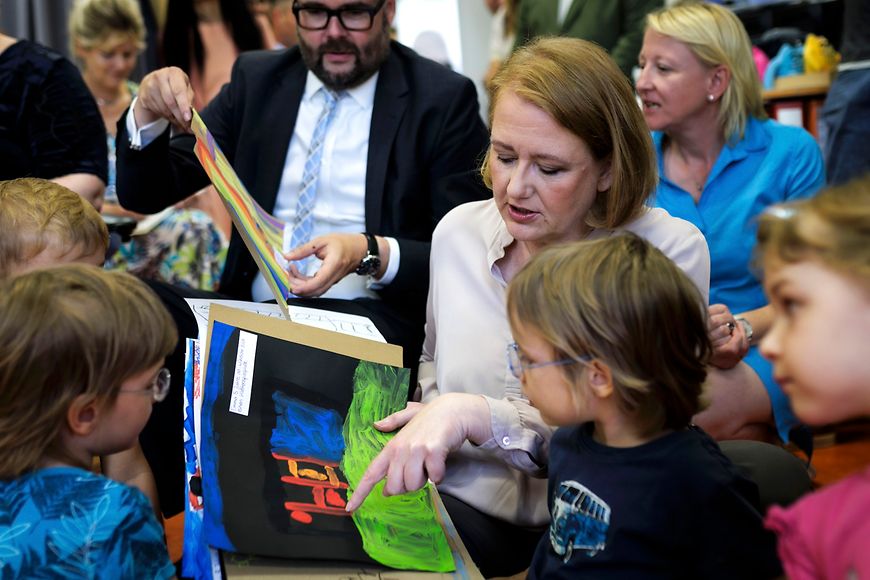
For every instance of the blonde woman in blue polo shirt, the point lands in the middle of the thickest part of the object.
(721, 162)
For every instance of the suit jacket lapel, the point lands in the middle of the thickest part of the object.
(278, 125)
(391, 100)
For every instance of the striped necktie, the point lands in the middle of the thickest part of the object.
(304, 222)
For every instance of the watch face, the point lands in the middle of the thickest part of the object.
(369, 265)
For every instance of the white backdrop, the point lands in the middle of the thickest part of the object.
(463, 24)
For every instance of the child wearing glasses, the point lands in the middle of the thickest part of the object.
(79, 372)
(611, 346)
(45, 224)
(816, 258)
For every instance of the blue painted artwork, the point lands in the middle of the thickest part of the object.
(197, 560)
(307, 443)
(260, 497)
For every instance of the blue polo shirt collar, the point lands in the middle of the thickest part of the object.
(755, 138)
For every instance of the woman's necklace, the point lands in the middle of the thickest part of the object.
(679, 167)
(108, 102)
(104, 103)
(118, 93)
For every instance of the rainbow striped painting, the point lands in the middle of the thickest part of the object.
(262, 232)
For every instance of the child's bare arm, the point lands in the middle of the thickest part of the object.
(130, 467)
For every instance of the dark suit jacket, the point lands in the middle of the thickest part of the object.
(616, 25)
(425, 145)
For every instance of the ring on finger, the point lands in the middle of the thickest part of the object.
(731, 326)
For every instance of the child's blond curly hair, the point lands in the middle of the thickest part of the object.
(36, 214)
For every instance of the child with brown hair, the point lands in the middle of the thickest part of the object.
(816, 258)
(611, 345)
(79, 372)
(45, 224)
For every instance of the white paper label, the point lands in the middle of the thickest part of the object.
(240, 401)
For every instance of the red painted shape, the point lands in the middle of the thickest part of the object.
(334, 498)
(301, 517)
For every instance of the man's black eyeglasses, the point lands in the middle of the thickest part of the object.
(355, 17)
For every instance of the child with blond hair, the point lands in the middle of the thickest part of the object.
(611, 346)
(45, 224)
(816, 259)
(79, 372)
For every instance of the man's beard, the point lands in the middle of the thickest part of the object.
(368, 59)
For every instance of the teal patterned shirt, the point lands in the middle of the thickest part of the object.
(65, 522)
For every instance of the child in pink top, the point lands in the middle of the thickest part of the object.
(816, 257)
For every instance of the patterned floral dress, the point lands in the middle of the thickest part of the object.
(183, 247)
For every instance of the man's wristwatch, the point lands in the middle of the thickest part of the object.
(371, 262)
(747, 329)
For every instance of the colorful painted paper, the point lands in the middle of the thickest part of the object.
(399, 531)
(198, 561)
(262, 232)
(286, 434)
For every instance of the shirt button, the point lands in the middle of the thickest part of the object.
(506, 440)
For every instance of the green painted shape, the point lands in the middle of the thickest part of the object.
(401, 531)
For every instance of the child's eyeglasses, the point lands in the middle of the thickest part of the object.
(518, 363)
(157, 389)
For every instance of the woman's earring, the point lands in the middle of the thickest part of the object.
(711, 98)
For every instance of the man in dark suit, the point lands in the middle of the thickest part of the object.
(424, 143)
(402, 150)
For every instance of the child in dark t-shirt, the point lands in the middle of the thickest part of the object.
(611, 345)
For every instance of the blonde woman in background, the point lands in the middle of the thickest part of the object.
(181, 246)
(721, 162)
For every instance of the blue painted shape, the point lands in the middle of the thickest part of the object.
(195, 556)
(306, 430)
(215, 532)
